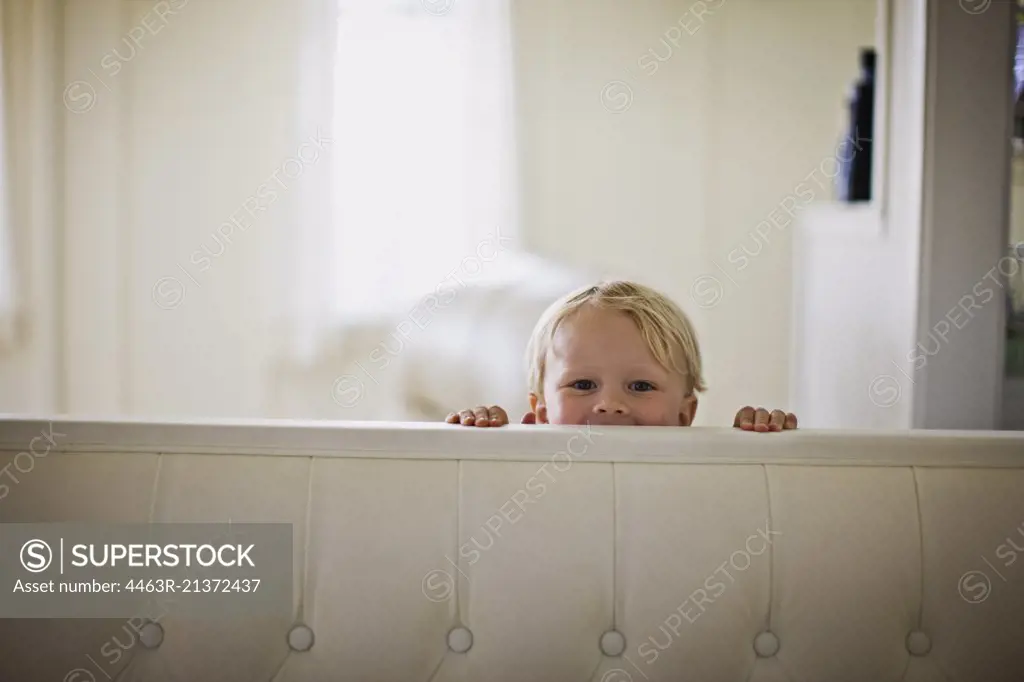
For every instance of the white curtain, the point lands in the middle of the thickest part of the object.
(417, 98)
(305, 255)
(31, 118)
(9, 290)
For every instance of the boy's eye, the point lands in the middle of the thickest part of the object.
(583, 385)
(642, 386)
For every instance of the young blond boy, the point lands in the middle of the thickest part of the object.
(617, 354)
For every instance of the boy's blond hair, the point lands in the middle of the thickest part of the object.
(665, 327)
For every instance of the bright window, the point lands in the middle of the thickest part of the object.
(423, 152)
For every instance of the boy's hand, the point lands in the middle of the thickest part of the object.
(485, 417)
(762, 420)
(479, 416)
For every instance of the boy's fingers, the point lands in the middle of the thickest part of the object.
(452, 418)
(745, 418)
(482, 416)
(761, 419)
(778, 420)
(529, 418)
(466, 417)
(498, 416)
(790, 421)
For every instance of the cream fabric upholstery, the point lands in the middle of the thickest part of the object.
(435, 552)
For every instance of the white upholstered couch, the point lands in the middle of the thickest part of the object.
(433, 552)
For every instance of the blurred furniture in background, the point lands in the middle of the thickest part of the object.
(900, 304)
(1013, 392)
(1015, 312)
(457, 346)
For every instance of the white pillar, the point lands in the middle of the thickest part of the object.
(968, 125)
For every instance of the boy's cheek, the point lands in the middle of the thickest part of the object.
(688, 412)
(556, 412)
(567, 410)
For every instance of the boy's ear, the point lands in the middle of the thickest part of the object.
(539, 409)
(688, 410)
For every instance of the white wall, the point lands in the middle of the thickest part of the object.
(707, 145)
(666, 190)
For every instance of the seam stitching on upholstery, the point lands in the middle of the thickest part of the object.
(280, 667)
(920, 546)
(456, 581)
(771, 549)
(152, 513)
(305, 544)
(615, 548)
(156, 486)
(437, 668)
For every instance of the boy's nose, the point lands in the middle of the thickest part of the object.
(611, 405)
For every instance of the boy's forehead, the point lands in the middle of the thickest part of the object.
(593, 338)
(592, 332)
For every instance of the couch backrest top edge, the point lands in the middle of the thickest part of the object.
(436, 441)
